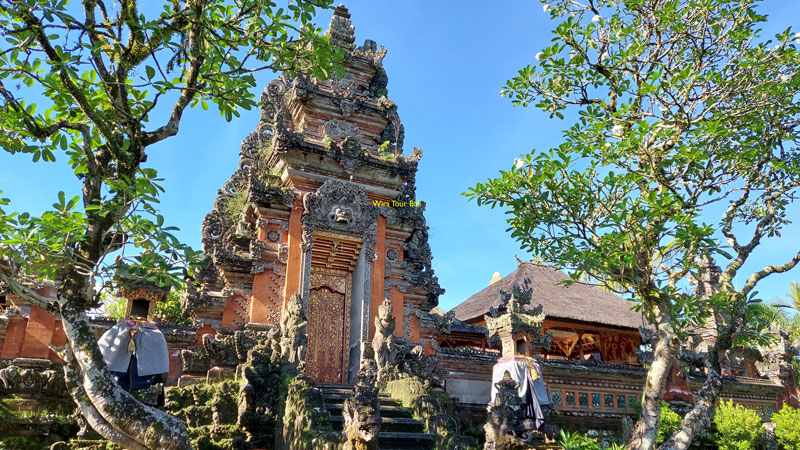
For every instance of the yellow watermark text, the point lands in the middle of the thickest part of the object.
(397, 203)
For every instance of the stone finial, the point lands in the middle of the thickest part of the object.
(341, 31)
(710, 272)
(517, 325)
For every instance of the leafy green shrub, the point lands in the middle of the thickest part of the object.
(234, 205)
(385, 151)
(738, 428)
(576, 441)
(170, 310)
(670, 421)
(787, 427)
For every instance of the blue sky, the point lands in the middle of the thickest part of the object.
(446, 63)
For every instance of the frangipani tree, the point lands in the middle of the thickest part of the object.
(684, 152)
(81, 84)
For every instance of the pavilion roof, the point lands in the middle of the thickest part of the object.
(578, 301)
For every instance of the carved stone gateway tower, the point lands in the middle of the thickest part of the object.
(323, 204)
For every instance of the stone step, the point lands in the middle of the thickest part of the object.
(399, 431)
(336, 390)
(405, 441)
(386, 411)
(390, 424)
(331, 397)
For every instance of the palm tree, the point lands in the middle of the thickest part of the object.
(792, 297)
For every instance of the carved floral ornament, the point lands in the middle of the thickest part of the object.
(146, 294)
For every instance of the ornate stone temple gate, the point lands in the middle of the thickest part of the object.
(323, 204)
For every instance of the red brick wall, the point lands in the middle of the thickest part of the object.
(15, 334)
(38, 333)
(59, 340)
(236, 313)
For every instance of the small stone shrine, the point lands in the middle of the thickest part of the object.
(134, 349)
(519, 333)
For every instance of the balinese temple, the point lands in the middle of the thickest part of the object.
(323, 205)
(593, 369)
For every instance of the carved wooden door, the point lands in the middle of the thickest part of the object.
(328, 326)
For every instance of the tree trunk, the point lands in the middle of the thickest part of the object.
(119, 416)
(646, 430)
(700, 416)
(87, 410)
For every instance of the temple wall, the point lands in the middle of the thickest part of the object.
(31, 337)
(469, 376)
(599, 392)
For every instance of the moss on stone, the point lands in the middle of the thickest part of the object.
(434, 409)
(86, 444)
(406, 390)
(210, 413)
(34, 430)
(306, 422)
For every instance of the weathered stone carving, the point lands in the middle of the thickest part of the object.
(775, 361)
(433, 409)
(210, 409)
(195, 361)
(306, 421)
(151, 395)
(418, 259)
(369, 50)
(16, 380)
(348, 153)
(506, 427)
(441, 424)
(221, 350)
(338, 130)
(412, 361)
(384, 343)
(294, 329)
(339, 206)
(362, 411)
(259, 397)
(443, 322)
(396, 358)
(246, 340)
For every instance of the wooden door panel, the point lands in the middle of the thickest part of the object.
(328, 326)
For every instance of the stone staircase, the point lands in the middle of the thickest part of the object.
(399, 431)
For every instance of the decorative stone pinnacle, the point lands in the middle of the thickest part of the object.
(517, 323)
(341, 31)
(341, 11)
